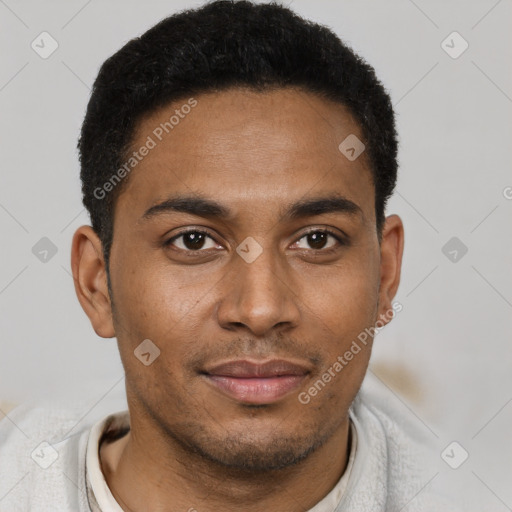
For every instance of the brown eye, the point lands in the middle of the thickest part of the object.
(319, 240)
(192, 241)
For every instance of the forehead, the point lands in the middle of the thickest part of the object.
(245, 146)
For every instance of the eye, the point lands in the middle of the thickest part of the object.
(320, 239)
(192, 240)
(196, 240)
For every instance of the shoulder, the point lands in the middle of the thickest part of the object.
(397, 452)
(40, 449)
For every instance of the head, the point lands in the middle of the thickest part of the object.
(231, 221)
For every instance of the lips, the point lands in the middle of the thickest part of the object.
(255, 382)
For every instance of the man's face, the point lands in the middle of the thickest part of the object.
(212, 310)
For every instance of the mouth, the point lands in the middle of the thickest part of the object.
(256, 382)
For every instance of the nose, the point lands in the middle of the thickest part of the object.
(259, 296)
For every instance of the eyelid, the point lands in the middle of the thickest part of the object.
(186, 231)
(338, 234)
(342, 239)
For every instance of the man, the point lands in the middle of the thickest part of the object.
(236, 164)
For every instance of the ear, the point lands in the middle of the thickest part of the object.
(391, 250)
(90, 278)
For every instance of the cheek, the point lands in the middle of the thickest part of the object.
(344, 296)
(151, 302)
(154, 301)
(346, 307)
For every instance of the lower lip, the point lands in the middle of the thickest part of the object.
(256, 390)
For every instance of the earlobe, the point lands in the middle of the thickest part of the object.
(90, 279)
(392, 247)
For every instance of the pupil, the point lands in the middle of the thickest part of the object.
(194, 240)
(317, 240)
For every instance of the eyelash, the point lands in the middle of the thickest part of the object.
(341, 241)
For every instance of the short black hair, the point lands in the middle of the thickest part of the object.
(226, 44)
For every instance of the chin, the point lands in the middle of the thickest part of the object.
(252, 454)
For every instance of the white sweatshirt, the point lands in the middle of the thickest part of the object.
(47, 464)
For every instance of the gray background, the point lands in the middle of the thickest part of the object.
(446, 358)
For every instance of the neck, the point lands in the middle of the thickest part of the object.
(171, 479)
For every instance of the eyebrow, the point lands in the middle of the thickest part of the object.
(208, 208)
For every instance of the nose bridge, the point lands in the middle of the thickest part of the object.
(258, 294)
(261, 276)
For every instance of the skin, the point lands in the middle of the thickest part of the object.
(191, 446)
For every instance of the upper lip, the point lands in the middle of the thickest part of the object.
(243, 368)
